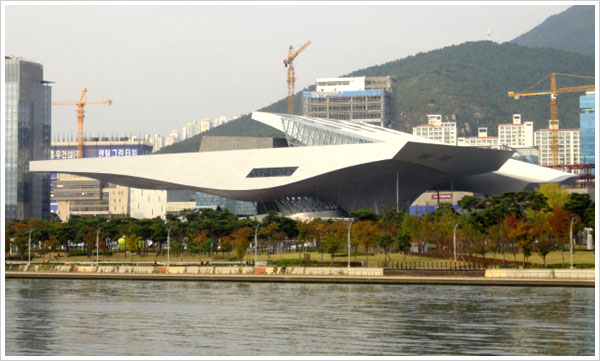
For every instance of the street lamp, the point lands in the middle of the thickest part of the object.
(97, 249)
(256, 244)
(29, 248)
(454, 240)
(168, 245)
(571, 240)
(349, 230)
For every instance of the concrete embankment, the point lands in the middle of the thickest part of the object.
(505, 277)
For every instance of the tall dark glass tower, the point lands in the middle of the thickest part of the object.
(28, 127)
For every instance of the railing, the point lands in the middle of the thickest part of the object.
(426, 265)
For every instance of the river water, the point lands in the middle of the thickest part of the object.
(171, 318)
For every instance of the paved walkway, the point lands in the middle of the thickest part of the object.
(481, 281)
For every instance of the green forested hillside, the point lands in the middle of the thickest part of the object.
(467, 82)
(571, 30)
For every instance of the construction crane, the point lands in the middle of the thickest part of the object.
(291, 78)
(553, 92)
(80, 104)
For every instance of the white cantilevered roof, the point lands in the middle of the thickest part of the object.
(360, 173)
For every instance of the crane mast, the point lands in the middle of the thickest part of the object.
(80, 116)
(291, 74)
(553, 92)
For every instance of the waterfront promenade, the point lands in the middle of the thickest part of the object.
(499, 277)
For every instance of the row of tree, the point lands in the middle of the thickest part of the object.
(517, 222)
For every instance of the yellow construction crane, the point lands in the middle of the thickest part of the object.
(80, 104)
(291, 78)
(553, 92)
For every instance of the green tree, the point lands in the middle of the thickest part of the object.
(364, 214)
(403, 243)
(581, 204)
(385, 241)
(468, 203)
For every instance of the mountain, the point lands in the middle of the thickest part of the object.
(571, 30)
(243, 126)
(467, 83)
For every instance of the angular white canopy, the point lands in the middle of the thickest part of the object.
(352, 165)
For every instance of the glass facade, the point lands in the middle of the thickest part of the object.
(587, 126)
(239, 208)
(271, 172)
(304, 132)
(27, 137)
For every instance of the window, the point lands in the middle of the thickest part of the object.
(271, 172)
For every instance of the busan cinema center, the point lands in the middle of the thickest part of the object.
(329, 167)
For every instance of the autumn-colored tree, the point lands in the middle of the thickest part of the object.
(497, 239)
(522, 232)
(366, 234)
(558, 224)
(267, 233)
(131, 243)
(307, 232)
(510, 227)
(197, 242)
(241, 240)
(226, 244)
(538, 232)
(335, 233)
(556, 196)
(16, 233)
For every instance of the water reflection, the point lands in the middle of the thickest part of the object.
(35, 309)
(94, 317)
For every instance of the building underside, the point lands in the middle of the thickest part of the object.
(332, 166)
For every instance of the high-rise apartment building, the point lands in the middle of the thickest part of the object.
(587, 126)
(220, 121)
(516, 134)
(359, 99)
(568, 146)
(437, 129)
(27, 137)
(205, 125)
(172, 138)
(156, 140)
(191, 129)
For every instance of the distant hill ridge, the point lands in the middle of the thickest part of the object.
(571, 30)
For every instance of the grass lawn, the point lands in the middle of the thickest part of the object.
(580, 256)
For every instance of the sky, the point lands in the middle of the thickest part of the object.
(165, 65)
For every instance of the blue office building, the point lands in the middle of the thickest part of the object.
(587, 125)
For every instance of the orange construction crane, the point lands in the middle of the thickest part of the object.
(553, 92)
(80, 104)
(291, 79)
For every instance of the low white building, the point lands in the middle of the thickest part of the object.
(481, 140)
